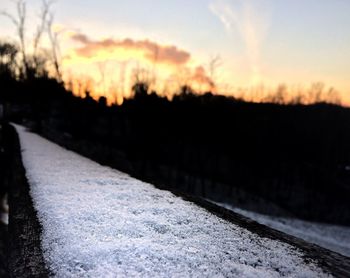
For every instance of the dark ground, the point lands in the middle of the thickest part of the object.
(23, 257)
(3, 250)
(3, 227)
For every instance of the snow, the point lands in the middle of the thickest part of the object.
(99, 222)
(332, 237)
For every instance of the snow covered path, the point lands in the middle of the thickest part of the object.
(98, 222)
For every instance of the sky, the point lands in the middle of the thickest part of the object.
(251, 43)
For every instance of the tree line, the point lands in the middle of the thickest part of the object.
(284, 159)
(290, 159)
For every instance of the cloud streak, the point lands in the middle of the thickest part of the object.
(251, 21)
(151, 51)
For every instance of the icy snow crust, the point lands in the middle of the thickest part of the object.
(98, 222)
(332, 237)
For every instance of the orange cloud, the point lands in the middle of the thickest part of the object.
(111, 65)
(151, 51)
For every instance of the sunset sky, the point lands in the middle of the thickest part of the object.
(297, 42)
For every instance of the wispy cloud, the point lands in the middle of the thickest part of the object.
(152, 51)
(249, 18)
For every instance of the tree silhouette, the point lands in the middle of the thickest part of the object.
(19, 21)
(8, 66)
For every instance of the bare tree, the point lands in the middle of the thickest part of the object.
(333, 97)
(45, 24)
(315, 93)
(154, 68)
(214, 63)
(43, 16)
(182, 78)
(123, 67)
(102, 66)
(141, 80)
(55, 46)
(279, 96)
(19, 21)
(298, 96)
(8, 53)
(141, 75)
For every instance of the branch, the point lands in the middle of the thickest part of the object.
(41, 27)
(11, 17)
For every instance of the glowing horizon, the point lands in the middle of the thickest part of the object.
(261, 43)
